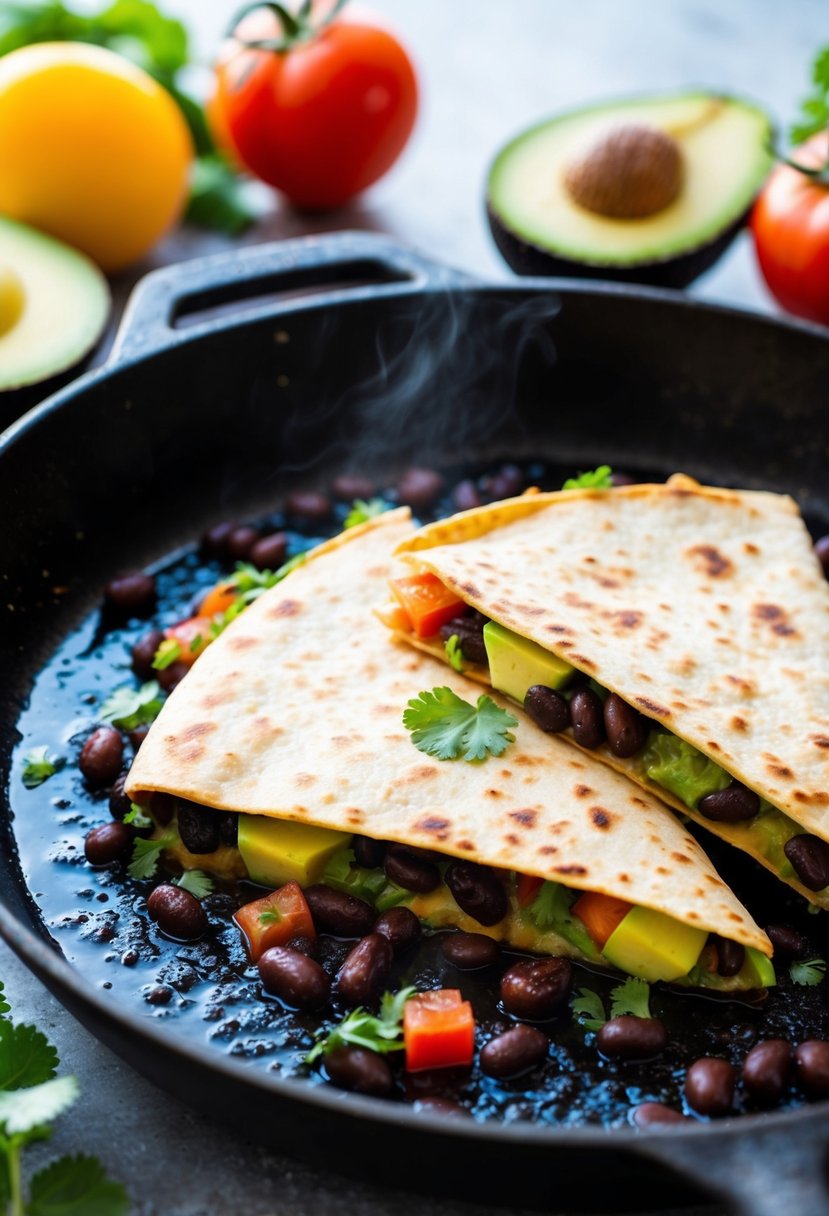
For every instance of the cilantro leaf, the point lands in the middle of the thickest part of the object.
(196, 882)
(26, 1056)
(76, 1186)
(218, 196)
(169, 651)
(808, 973)
(454, 654)
(4, 1004)
(147, 852)
(136, 817)
(445, 726)
(363, 1029)
(271, 916)
(589, 1009)
(128, 707)
(39, 766)
(632, 996)
(23, 1110)
(361, 511)
(595, 479)
(814, 115)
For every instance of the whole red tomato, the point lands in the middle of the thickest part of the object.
(322, 118)
(790, 225)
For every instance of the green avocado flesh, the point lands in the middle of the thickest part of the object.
(516, 663)
(724, 143)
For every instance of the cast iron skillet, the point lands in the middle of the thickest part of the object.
(351, 352)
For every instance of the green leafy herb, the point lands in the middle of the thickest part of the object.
(4, 1004)
(595, 479)
(252, 582)
(454, 654)
(361, 511)
(809, 972)
(26, 1056)
(196, 882)
(814, 115)
(128, 707)
(136, 817)
(633, 996)
(363, 1029)
(445, 726)
(589, 1009)
(39, 766)
(218, 196)
(271, 916)
(76, 1186)
(169, 651)
(146, 854)
(22, 1110)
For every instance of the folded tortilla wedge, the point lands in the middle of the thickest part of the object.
(705, 609)
(293, 716)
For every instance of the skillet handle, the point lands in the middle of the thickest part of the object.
(754, 1171)
(170, 306)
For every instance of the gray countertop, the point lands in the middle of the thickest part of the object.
(487, 68)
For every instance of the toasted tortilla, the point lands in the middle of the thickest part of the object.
(705, 608)
(295, 711)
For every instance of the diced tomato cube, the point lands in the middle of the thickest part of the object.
(527, 887)
(601, 915)
(427, 601)
(275, 919)
(193, 636)
(438, 1030)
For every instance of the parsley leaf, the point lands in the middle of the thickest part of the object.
(814, 115)
(39, 766)
(76, 1186)
(589, 1009)
(218, 196)
(808, 973)
(128, 707)
(26, 1056)
(632, 996)
(363, 1029)
(4, 1004)
(23, 1110)
(196, 882)
(454, 654)
(361, 511)
(595, 479)
(146, 854)
(169, 651)
(136, 817)
(445, 726)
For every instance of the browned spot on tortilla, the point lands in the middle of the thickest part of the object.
(577, 765)
(576, 601)
(624, 878)
(582, 791)
(194, 752)
(708, 560)
(582, 661)
(638, 801)
(285, 608)
(821, 741)
(471, 590)
(506, 773)
(527, 761)
(213, 699)
(494, 793)
(547, 850)
(749, 547)
(526, 817)
(644, 677)
(435, 825)
(196, 731)
(681, 858)
(530, 609)
(715, 747)
(693, 915)
(466, 845)
(591, 560)
(746, 687)
(652, 707)
(561, 826)
(780, 770)
(237, 642)
(574, 870)
(712, 878)
(342, 740)
(353, 815)
(600, 817)
(305, 779)
(735, 917)
(512, 839)
(776, 617)
(738, 723)
(627, 619)
(421, 772)
(558, 628)
(604, 581)
(662, 870)
(724, 607)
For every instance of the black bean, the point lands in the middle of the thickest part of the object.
(164, 807)
(178, 913)
(215, 540)
(470, 951)
(400, 926)
(228, 823)
(420, 487)
(198, 827)
(787, 942)
(650, 1114)
(547, 708)
(535, 988)
(627, 731)
(409, 871)
(309, 946)
(160, 995)
(465, 496)
(731, 805)
(368, 852)
(308, 504)
(630, 1038)
(102, 756)
(433, 1104)
(131, 594)
(809, 855)
(812, 1065)
(338, 912)
(107, 843)
(172, 676)
(622, 479)
(477, 891)
(349, 486)
(767, 1070)
(709, 1086)
(515, 1051)
(365, 972)
(359, 1070)
(143, 653)
(730, 955)
(120, 804)
(822, 553)
(240, 542)
(587, 717)
(506, 483)
(270, 552)
(469, 631)
(295, 978)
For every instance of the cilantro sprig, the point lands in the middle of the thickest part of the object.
(128, 708)
(39, 765)
(814, 109)
(196, 882)
(146, 854)
(632, 996)
(808, 973)
(589, 1009)
(362, 511)
(360, 1028)
(136, 818)
(454, 654)
(594, 479)
(445, 726)
(168, 652)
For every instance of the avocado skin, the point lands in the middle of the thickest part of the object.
(677, 270)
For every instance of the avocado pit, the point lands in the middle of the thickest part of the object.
(630, 172)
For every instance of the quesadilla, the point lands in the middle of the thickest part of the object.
(705, 610)
(292, 720)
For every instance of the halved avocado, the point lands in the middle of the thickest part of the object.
(540, 228)
(54, 304)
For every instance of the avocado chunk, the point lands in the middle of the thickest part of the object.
(54, 304)
(516, 664)
(558, 201)
(679, 767)
(276, 851)
(654, 946)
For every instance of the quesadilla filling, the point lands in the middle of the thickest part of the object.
(524, 911)
(558, 697)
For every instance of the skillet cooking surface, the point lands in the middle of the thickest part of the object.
(138, 460)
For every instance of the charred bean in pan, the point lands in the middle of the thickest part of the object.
(365, 972)
(308, 504)
(400, 926)
(214, 540)
(338, 912)
(420, 487)
(477, 891)
(131, 594)
(587, 717)
(535, 988)
(506, 483)
(198, 827)
(120, 804)
(295, 978)
(368, 852)
(109, 842)
(809, 855)
(143, 653)
(309, 946)
(228, 823)
(102, 756)
(178, 913)
(470, 951)
(359, 1070)
(822, 553)
(465, 495)
(269, 553)
(349, 486)
(514, 1051)
(787, 942)
(651, 1114)
(410, 872)
(240, 542)
(767, 1070)
(172, 675)
(627, 730)
(812, 1065)
(709, 1086)
(731, 805)
(730, 955)
(630, 1038)
(547, 708)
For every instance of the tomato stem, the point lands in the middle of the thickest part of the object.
(297, 27)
